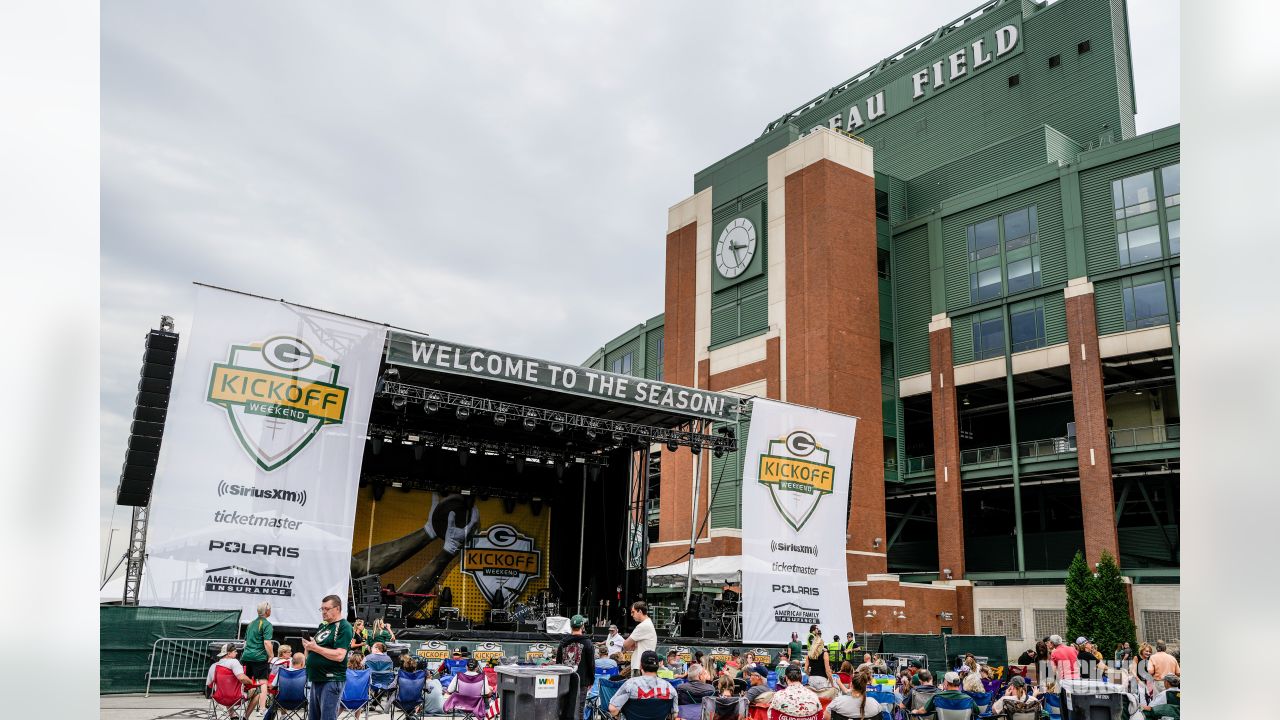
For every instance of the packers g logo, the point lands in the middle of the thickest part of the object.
(277, 395)
(797, 474)
(501, 562)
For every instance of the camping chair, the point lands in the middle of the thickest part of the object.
(228, 699)
(647, 709)
(597, 707)
(470, 698)
(772, 680)
(355, 693)
(982, 700)
(724, 708)
(382, 681)
(1025, 715)
(953, 708)
(290, 700)
(1053, 703)
(409, 689)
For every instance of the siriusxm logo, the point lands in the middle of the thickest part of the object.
(776, 546)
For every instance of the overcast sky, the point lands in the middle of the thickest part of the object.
(493, 173)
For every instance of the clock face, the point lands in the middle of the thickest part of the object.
(735, 248)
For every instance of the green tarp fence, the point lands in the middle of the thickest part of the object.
(942, 650)
(128, 633)
(991, 646)
(933, 646)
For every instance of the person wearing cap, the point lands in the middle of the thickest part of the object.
(1017, 698)
(1065, 659)
(228, 657)
(646, 686)
(949, 697)
(757, 683)
(577, 651)
(614, 642)
(443, 668)
(679, 668)
(1164, 704)
(603, 661)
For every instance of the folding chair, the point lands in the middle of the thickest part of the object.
(647, 709)
(954, 708)
(1025, 715)
(597, 708)
(982, 700)
(228, 699)
(724, 708)
(1053, 703)
(409, 690)
(355, 694)
(772, 680)
(382, 681)
(290, 700)
(470, 699)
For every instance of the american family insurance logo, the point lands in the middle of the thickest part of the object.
(797, 474)
(278, 394)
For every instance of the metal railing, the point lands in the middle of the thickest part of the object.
(1047, 447)
(182, 659)
(920, 463)
(1133, 437)
(978, 456)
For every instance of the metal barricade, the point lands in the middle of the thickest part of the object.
(183, 659)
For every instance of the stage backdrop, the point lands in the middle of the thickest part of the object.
(415, 540)
(255, 489)
(795, 486)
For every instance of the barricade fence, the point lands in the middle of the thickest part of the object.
(183, 659)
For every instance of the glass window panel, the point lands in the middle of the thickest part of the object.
(1177, 295)
(1017, 227)
(1139, 194)
(987, 284)
(1020, 275)
(1117, 197)
(882, 263)
(1145, 305)
(1026, 329)
(1140, 245)
(1171, 177)
(984, 240)
(988, 338)
(1175, 236)
(882, 204)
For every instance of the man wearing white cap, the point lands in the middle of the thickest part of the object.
(227, 658)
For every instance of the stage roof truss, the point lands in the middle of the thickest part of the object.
(688, 432)
(449, 441)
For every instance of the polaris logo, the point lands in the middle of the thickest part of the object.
(232, 546)
(796, 590)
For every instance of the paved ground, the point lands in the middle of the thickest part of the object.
(185, 705)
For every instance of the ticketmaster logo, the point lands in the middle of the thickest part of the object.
(792, 547)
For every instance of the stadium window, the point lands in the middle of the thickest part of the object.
(1014, 80)
(1055, 61)
(1021, 249)
(1004, 255)
(882, 204)
(882, 263)
(1026, 325)
(661, 353)
(1171, 178)
(1082, 48)
(988, 334)
(1134, 195)
(1177, 293)
(622, 364)
(1139, 245)
(1145, 304)
(1175, 237)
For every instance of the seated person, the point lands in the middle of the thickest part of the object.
(855, 703)
(677, 667)
(922, 690)
(282, 658)
(379, 653)
(795, 700)
(726, 704)
(822, 687)
(604, 662)
(227, 658)
(951, 695)
(758, 679)
(1017, 698)
(1165, 703)
(473, 669)
(299, 662)
(646, 685)
(697, 687)
(432, 692)
(443, 668)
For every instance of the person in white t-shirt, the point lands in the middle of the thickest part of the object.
(615, 640)
(227, 659)
(644, 637)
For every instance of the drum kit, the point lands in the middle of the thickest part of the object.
(539, 607)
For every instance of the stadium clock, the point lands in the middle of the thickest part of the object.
(735, 248)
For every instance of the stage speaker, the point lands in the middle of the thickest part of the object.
(370, 612)
(690, 624)
(366, 590)
(150, 408)
(395, 612)
(527, 627)
(710, 628)
(501, 626)
(462, 624)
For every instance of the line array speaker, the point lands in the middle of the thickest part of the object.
(150, 409)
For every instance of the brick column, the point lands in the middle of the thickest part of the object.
(946, 451)
(678, 367)
(833, 326)
(1093, 441)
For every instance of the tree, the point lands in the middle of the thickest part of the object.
(1112, 624)
(1082, 599)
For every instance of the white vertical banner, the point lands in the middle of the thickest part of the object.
(255, 493)
(797, 467)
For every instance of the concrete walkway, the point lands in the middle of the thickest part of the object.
(182, 705)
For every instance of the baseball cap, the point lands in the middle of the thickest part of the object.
(915, 663)
(649, 660)
(227, 649)
(758, 669)
(1082, 640)
(577, 621)
(951, 678)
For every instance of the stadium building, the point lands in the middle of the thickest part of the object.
(968, 247)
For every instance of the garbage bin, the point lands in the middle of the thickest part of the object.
(536, 693)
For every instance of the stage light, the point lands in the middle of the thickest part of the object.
(166, 323)
(432, 404)
(560, 467)
(593, 430)
(378, 490)
(719, 452)
(509, 505)
(530, 420)
(695, 449)
(519, 464)
(375, 444)
(617, 437)
(399, 401)
(500, 416)
(464, 410)
(535, 506)
(557, 424)
(672, 445)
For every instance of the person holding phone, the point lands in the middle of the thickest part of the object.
(327, 660)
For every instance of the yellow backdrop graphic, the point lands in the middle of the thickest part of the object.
(415, 540)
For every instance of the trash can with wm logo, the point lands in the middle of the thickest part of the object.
(536, 693)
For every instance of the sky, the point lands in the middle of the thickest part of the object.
(492, 173)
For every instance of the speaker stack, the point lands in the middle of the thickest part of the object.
(366, 592)
(150, 409)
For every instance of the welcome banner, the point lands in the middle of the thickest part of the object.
(255, 490)
(795, 487)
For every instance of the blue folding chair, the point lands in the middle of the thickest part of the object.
(647, 709)
(456, 667)
(290, 700)
(409, 689)
(1053, 703)
(355, 693)
(981, 699)
(598, 707)
(772, 680)
(954, 708)
(382, 680)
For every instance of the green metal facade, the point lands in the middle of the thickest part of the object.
(1054, 139)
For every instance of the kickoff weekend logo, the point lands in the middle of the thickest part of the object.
(501, 560)
(798, 476)
(278, 394)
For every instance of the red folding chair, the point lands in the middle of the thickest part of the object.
(228, 699)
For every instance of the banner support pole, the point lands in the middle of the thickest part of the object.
(693, 532)
(582, 535)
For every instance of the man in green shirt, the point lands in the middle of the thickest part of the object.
(258, 652)
(327, 660)
(797, 650)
